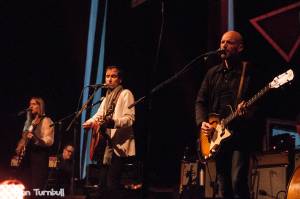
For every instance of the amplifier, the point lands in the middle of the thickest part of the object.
(269, 182)
(272, 159)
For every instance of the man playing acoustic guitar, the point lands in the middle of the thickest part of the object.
(113, 122)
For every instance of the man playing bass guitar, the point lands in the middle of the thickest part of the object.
(222, 92)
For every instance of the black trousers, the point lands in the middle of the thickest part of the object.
(111, 177)
(39, 158)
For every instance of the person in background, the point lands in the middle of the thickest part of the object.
(65, 168)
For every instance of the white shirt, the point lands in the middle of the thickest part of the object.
(122, 134)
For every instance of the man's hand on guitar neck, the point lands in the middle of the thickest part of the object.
(207, 128)
(241, 109)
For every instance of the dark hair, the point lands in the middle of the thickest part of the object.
(120, 70)
(69, 144)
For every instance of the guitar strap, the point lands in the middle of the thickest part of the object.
(107, 156)
(113, 103)
(238, 98)
(113, 106)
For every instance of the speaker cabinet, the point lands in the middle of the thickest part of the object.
(269, 182)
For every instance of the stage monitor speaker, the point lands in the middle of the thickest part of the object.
(269, 182)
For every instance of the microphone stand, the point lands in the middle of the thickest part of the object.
(61, 121)
(186, 68)
(152, 91)
(77, 114)
(71, 115)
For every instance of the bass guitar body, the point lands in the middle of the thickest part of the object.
(17, 160)
(210, 144)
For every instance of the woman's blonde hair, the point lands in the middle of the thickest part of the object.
(41, 102)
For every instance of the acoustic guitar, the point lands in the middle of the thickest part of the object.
(209, 145)
(99, 137)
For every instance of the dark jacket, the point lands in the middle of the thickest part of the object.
(218, 94)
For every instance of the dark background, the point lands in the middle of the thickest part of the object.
(43, 52)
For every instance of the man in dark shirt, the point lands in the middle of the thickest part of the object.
(223, 93)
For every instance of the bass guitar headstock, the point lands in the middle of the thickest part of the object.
(282, 79)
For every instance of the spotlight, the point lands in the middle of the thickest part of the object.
(11, 189)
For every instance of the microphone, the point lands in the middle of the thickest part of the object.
(221, 52)
(97, 86)
(23, 111)
(223, 56)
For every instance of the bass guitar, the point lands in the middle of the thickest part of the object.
(209, 145)
(17, 159)
(22, 145)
